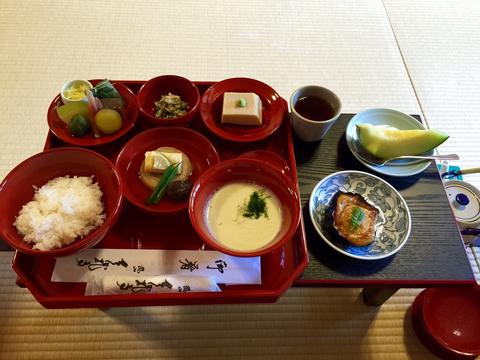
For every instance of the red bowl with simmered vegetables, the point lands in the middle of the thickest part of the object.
(153, 91)
(229, 217)
(198, 149)
(18, 189)
(128, 112)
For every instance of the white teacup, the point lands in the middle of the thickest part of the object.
(308, 129)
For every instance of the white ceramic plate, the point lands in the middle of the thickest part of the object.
(395, 223)
(397, 120)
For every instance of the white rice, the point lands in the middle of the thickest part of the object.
(62, 210)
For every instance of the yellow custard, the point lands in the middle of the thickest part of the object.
(229, 226)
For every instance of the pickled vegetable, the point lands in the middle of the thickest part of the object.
(93, 108)
(79, 125)
(76, 91)
(108, 121)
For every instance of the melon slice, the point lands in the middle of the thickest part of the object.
(386, 143)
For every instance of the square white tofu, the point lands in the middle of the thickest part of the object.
(242, 109)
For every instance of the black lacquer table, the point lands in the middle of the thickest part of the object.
(434, 254)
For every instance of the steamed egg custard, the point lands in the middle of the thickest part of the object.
(244, 216)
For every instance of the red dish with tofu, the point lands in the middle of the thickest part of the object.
(273, 109)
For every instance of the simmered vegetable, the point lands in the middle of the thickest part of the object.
(68, 111)
(79, 125)
(179, 190)
(162, 185)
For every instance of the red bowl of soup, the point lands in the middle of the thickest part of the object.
(244, 207)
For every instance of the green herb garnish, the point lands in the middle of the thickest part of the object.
(256, 205)
(357, 217)
(162, 185)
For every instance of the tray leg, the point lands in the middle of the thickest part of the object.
(376, 296)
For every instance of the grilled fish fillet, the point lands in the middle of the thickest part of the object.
(346, 216)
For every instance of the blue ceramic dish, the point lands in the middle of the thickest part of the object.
(393, 224)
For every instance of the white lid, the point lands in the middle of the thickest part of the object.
(465, 201)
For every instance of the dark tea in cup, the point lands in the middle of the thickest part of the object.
(314, 108)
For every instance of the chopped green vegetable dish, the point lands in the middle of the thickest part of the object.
(170, 106)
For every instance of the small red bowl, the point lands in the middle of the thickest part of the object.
(129, 117)
(153, 90)
(273, 110)
(424, 336)
(451, 317)
(197, 147)
(17, 189)
(244, 170)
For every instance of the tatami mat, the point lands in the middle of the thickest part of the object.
(440, 44)
(305, 323)
(348, 47)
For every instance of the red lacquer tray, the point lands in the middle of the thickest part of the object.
(136, 230)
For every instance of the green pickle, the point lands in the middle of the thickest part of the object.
(79, 125)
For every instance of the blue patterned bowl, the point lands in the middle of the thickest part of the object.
(393, 226)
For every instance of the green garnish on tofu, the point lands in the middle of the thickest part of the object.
(241, 102)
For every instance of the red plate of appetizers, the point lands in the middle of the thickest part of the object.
(129, 115)
(273, 110)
